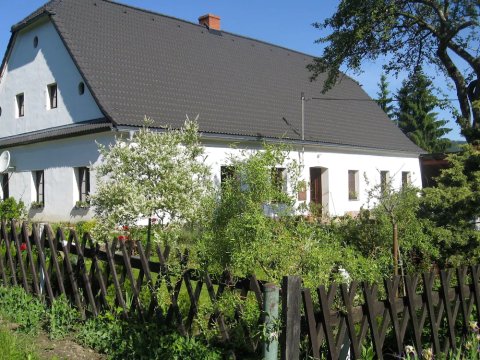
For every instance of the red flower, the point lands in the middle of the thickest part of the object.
(23, 247)
(122, 238)
(125, 228)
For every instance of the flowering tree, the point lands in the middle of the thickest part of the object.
(154, 173)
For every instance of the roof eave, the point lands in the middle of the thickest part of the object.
(294, 142)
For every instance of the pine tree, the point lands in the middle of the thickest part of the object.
(415, 115)
(383, 97)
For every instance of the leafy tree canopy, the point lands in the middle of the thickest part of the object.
(410, 33)
(415, 115)
(153, 173)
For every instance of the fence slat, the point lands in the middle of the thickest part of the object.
(43, 264)
(311, 323)
(370, 297)
(428, 279)
(18, 250)
(53, 258)
(32, 267)
(445, 277)
(73, 281)
(291, 302)
(8, 252)
(82, 271)
(116, 284)
(2, 263)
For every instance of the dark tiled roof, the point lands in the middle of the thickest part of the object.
(56, 133)
(138, 63)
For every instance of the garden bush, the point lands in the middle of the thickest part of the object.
(22, 308)
(11, 209)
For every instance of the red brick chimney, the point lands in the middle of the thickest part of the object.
(210, 20)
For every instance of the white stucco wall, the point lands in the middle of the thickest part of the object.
(29, 71)
(338, 162)
(58, 159)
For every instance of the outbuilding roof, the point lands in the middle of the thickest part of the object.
(138, 63)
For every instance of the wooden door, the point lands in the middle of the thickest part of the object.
(316, 186)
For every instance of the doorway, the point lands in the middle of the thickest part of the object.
(319, 191)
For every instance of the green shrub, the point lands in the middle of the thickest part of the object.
(133, 340)
(11, 209)
(22, 308)
(61, 318)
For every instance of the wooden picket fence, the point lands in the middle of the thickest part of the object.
(435, 311)
(49, 264)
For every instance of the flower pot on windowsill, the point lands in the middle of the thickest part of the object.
(36, 205)
(82, 205)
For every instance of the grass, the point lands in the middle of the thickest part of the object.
(15, 346)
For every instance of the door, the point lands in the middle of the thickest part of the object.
(316, 186)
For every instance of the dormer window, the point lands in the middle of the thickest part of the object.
(52, 96)
(20, 105)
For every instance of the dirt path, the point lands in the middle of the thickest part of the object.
(63, 349)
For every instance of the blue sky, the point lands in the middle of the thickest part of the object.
(281, 22)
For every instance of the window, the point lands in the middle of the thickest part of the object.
(52, 96)
(83, 182)
(406, 178)
(39, 181)
(4, 186)
(20, 105)
(226, 173)
(384, 180)
(35, 42)
(279, 179)
(353, 188)
(81, 88)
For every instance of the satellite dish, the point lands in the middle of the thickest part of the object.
(4, 161)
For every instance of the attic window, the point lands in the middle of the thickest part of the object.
(20, 105)
(35, 42)
(0, 111)
(81, 88)
(52, 96)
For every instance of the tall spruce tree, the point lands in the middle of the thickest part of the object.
(384, 98)
(415, 115)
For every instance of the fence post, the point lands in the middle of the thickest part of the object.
(291, 317)
(271, 298)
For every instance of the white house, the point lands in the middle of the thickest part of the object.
(78, 72)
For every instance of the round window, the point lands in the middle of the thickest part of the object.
(81, 88)
(35, 41)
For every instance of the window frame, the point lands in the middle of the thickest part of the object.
(83, 183)
(20, 102)
(4, 184)
(353, 185)
(52, 94)
(406, 179)
(279, 178)
(39, 182)
(384, 180)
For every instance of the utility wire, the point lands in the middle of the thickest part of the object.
(376, 100)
